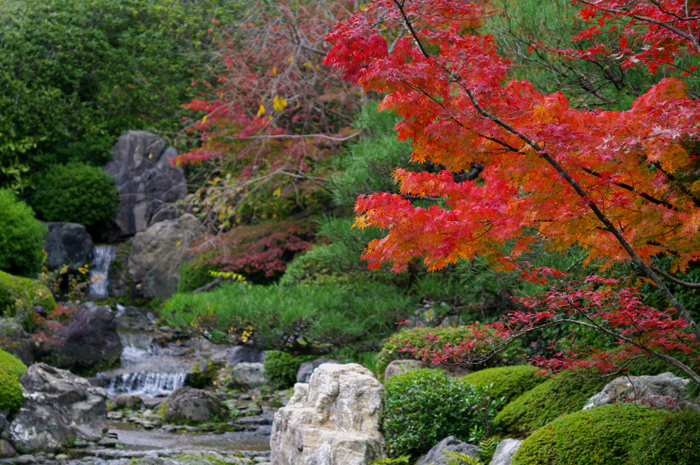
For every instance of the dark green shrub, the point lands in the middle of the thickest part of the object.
(416, 338)
(674, 441)
(21, 237)
(565, 393)
(10, 390)
(77, 193)
(603, 435)
(507, 382)
(281, 368)
(425, 406)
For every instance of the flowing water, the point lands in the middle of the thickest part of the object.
(103, 256)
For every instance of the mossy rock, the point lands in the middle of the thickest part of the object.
(19, 296)
(600, 436)
(11, 369)
(566, 393)
(674, 441)
(507, 382)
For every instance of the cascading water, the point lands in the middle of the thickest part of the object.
(147, 369)
(103, 256)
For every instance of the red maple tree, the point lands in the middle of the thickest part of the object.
(624, 185)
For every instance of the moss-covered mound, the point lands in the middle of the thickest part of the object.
(603, 435)
(566, 393)
(508, 382)
(674, 441)
(19, 296)
(10, 390)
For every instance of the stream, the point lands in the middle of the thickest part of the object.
(154, 363)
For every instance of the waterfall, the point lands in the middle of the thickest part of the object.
(144, 384)
(103, 256)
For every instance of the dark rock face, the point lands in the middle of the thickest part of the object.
(67, 244)
(306, 369)
(437, 456)
(189, 405)
(88, 341)
(58, 406)
(148, 185)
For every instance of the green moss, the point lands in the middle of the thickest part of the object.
(508, 382)
(281, 368)
(674, 441)
(603, 435)
(565, 393)
(10, 390)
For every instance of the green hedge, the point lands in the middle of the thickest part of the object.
(425, 406)
(21, 237)
(674, 441)
(77, 193)
(281, 368)
(507, 382)
(565, 393)
(603, 436)
(11, 369)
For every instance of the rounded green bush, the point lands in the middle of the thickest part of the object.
(565, 393)
(674, 441)
(21, 237)
(507, 382)
(11, 369)
(416, 338)
(77, 193)
(425, 406)
(281, 368)
(11, 364)
(603, 435)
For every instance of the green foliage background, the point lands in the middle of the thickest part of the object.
(21, 237)
(78, 73)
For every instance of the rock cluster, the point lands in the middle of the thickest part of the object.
(67, 244)
(58, 407)
(662, 391)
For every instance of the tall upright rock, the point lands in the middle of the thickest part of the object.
(148, 185)
(332, 420)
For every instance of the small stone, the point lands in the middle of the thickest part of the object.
(157, 423)
(62, 457)
(80, 444)
(168, 428)
(148, 413)
(6, 449)
(148, 425)
(107, 442)
(193, 429)
(25, 459)
(50, 456)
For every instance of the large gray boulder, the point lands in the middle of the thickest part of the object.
(306, 369)
(189, 405)
(88, 341)
(505, 452)
(332, 420)
(156, 254)
(438, 456)
(67, 244)
(397, 367)
(58, 408)
(246, 375)
(663, 391)
(148, 185)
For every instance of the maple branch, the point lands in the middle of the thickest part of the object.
(296, 136)
(674, 279)
(568, 178)
(631, 189)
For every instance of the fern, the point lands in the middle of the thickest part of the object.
(487, 448)
(459, 458)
